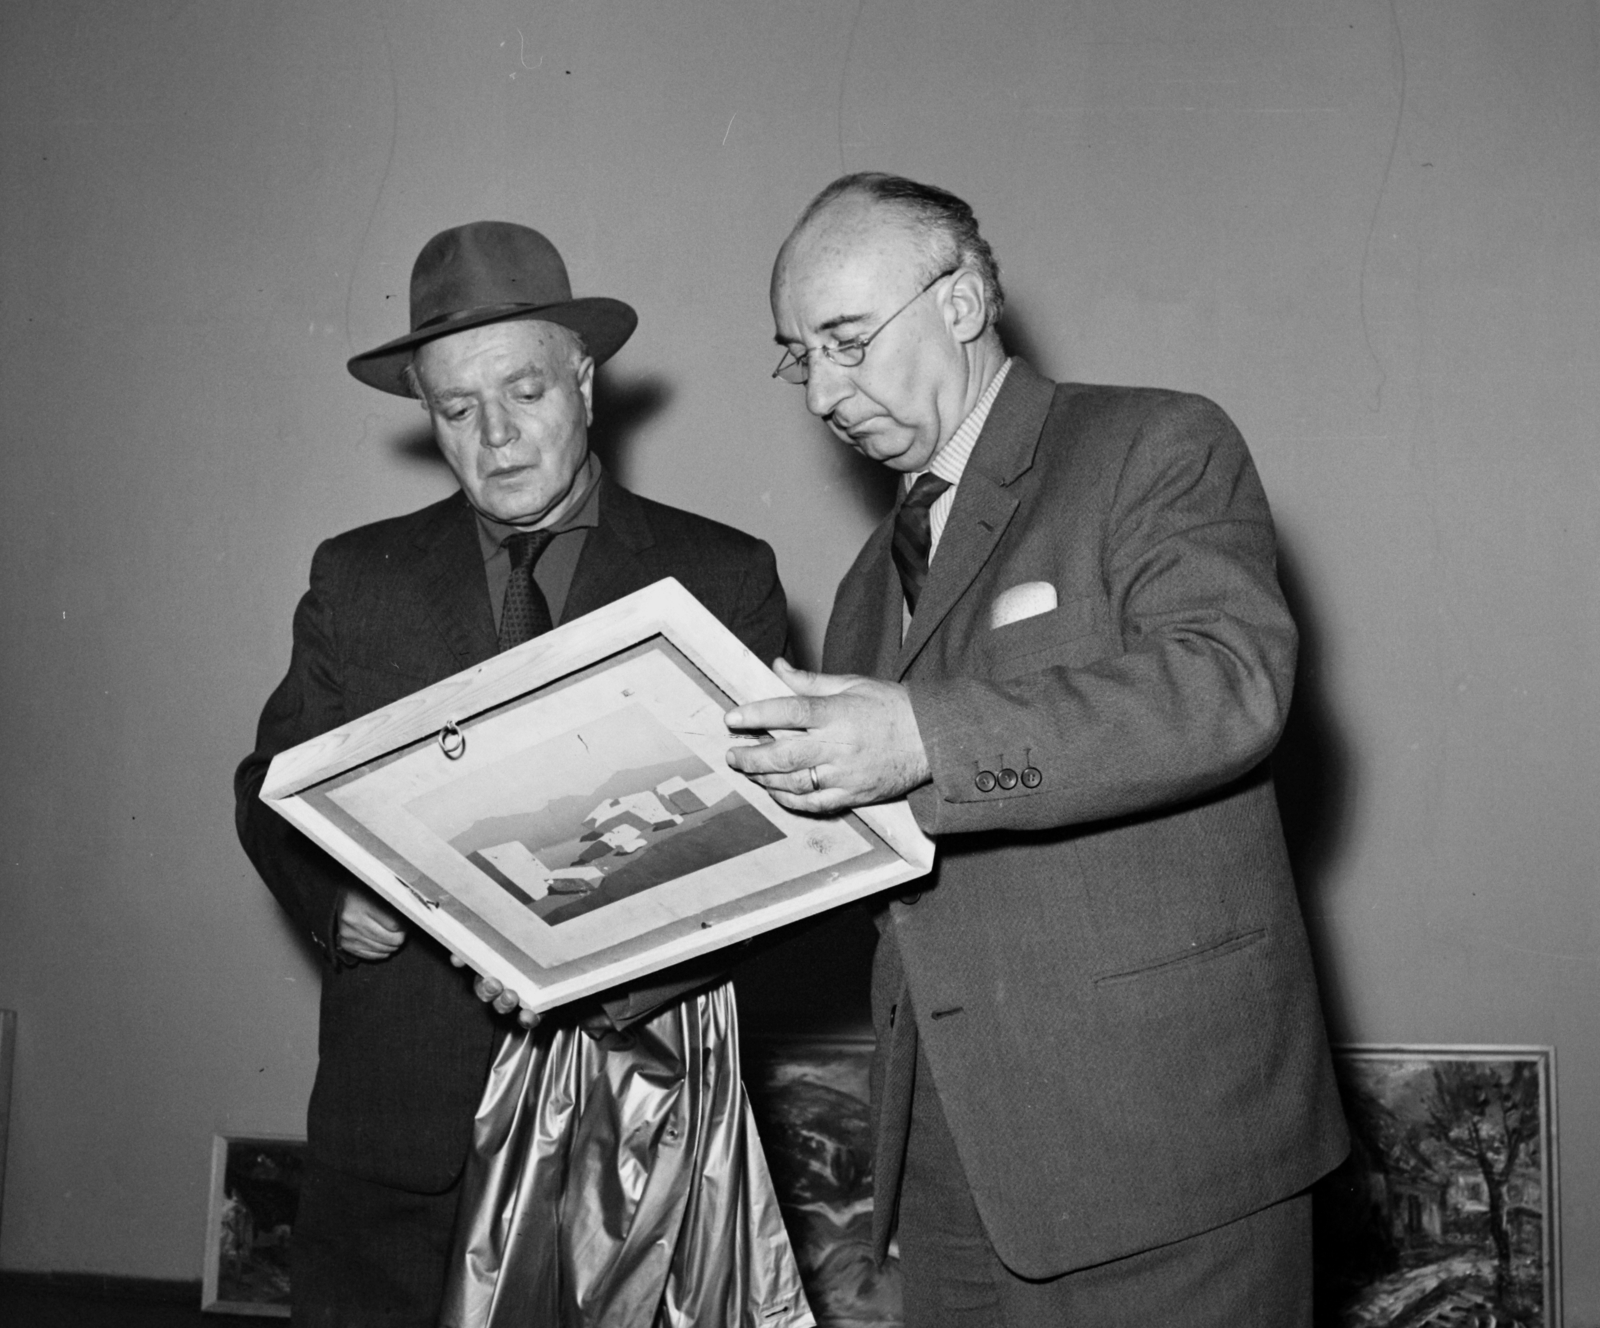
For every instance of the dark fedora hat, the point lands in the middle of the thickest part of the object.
(492, 272)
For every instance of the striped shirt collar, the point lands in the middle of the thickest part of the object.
(950, 461)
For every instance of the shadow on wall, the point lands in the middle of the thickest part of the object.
(1016, 331)
(622, 407)
(1314, 772)
(415, 446)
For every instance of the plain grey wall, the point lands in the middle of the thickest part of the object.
(1369, 230)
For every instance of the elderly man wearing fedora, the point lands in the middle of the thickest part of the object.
(502, 358)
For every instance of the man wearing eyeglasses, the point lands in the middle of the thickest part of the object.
(1102, 1082)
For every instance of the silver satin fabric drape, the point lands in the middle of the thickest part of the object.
(622, 1187)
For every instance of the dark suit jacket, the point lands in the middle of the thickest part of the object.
(393, 607)
(1109, 971)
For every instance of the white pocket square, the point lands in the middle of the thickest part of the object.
(1028, 600)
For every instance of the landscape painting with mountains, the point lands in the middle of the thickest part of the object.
(608, 810)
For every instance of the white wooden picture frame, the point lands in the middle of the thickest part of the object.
(562, 816)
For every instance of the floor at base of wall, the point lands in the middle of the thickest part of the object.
(88, 1300)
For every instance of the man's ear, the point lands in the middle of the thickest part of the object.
(968, 305)
(585, 379)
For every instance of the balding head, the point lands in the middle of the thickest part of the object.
(884, 319)
(941, 227)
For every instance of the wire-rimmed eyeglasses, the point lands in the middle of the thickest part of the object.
(796, 369)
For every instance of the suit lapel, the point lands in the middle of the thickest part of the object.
(984, 504)
(454, 587)
(979, 517)
(864, 627)
(610, 565)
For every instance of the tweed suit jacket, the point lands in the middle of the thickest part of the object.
(393, 607)
(1108, 971)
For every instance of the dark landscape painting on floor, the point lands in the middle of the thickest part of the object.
(1444, 1214)
(810, 1102)
(255, 1190)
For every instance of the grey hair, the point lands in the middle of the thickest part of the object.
(945, 224)
(571, 337)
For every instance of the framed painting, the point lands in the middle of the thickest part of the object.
(563, 817)
(809, 1096)
(255, 1189)
(1446, 1209)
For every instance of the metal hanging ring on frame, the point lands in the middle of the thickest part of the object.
(452, 741)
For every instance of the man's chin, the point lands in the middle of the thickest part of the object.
(885, 448)
(509, 510)
(892, 453)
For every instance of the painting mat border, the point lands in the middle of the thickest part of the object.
(211, 1269)
(1545, 1055)
(901, 851)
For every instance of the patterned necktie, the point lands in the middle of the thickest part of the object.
(913, 535)
(525, 613)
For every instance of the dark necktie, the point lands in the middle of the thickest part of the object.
(525, 614)
(913, 535)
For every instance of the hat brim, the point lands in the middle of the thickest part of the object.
(603, 323)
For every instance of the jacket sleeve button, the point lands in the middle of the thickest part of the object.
(1008, 778)
(1031, 778)
(985, 781)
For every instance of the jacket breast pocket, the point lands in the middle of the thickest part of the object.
(1073, 633)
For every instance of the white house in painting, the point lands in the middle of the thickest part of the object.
(624, 838)
(520, 867)
(646, 811)
(692, 795)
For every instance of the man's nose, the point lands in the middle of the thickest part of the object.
(499, 429)
(826, 385)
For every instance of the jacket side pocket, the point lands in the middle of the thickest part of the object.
(1171, 963)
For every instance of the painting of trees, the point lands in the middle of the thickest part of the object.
(1442, 1213)
(1487, 1114)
